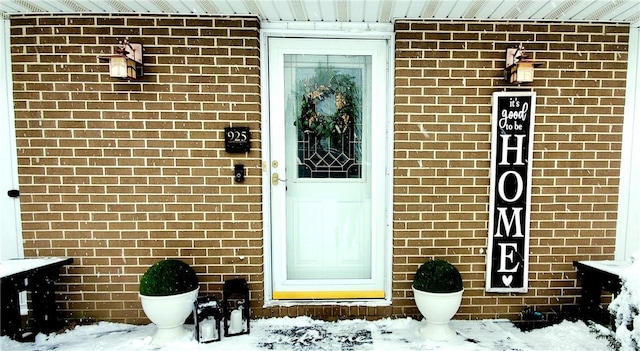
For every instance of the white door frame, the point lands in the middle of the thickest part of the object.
(11, 236)
(338, 31)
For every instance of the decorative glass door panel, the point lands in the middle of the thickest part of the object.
(324, 241)
(328, 115)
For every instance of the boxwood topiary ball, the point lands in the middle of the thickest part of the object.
(438, 276)
(168, 277)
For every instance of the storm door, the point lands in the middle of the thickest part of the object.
(327, 167)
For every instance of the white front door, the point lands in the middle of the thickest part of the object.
(327, 172)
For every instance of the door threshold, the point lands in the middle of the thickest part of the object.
(328, 295)
(333, 302)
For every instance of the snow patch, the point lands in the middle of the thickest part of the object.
(307, 334)
(625, 308)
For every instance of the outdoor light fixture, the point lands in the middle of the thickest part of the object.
(207, 316)
(127, 62)
(235, 296)
(519, 69)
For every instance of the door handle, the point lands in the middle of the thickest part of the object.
(275, 179)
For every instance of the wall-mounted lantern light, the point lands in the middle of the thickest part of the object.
(127, 62)
(518, 68)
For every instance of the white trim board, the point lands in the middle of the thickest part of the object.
(628, 225)
(11, 236)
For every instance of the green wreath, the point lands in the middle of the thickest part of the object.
(328, 90)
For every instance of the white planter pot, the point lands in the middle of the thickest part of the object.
(168, 313)
(437, 309)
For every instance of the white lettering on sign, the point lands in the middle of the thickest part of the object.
(506, 253)
(519, 186)
(508, 114)
(508, 223)
(506, 148)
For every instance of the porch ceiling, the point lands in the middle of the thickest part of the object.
(383, 11)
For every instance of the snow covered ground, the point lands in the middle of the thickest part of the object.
(306, 334)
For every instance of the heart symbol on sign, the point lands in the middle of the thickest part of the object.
(507, 279)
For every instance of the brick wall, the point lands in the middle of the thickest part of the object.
(120, 174)
(445, 75)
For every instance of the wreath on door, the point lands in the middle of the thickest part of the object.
(329, 103)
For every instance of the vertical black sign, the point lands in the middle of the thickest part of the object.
(509, 204)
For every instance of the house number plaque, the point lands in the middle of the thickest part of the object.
(510, 196)
(237, 139)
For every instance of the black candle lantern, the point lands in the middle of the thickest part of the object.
(207, 316)
(236, 307)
